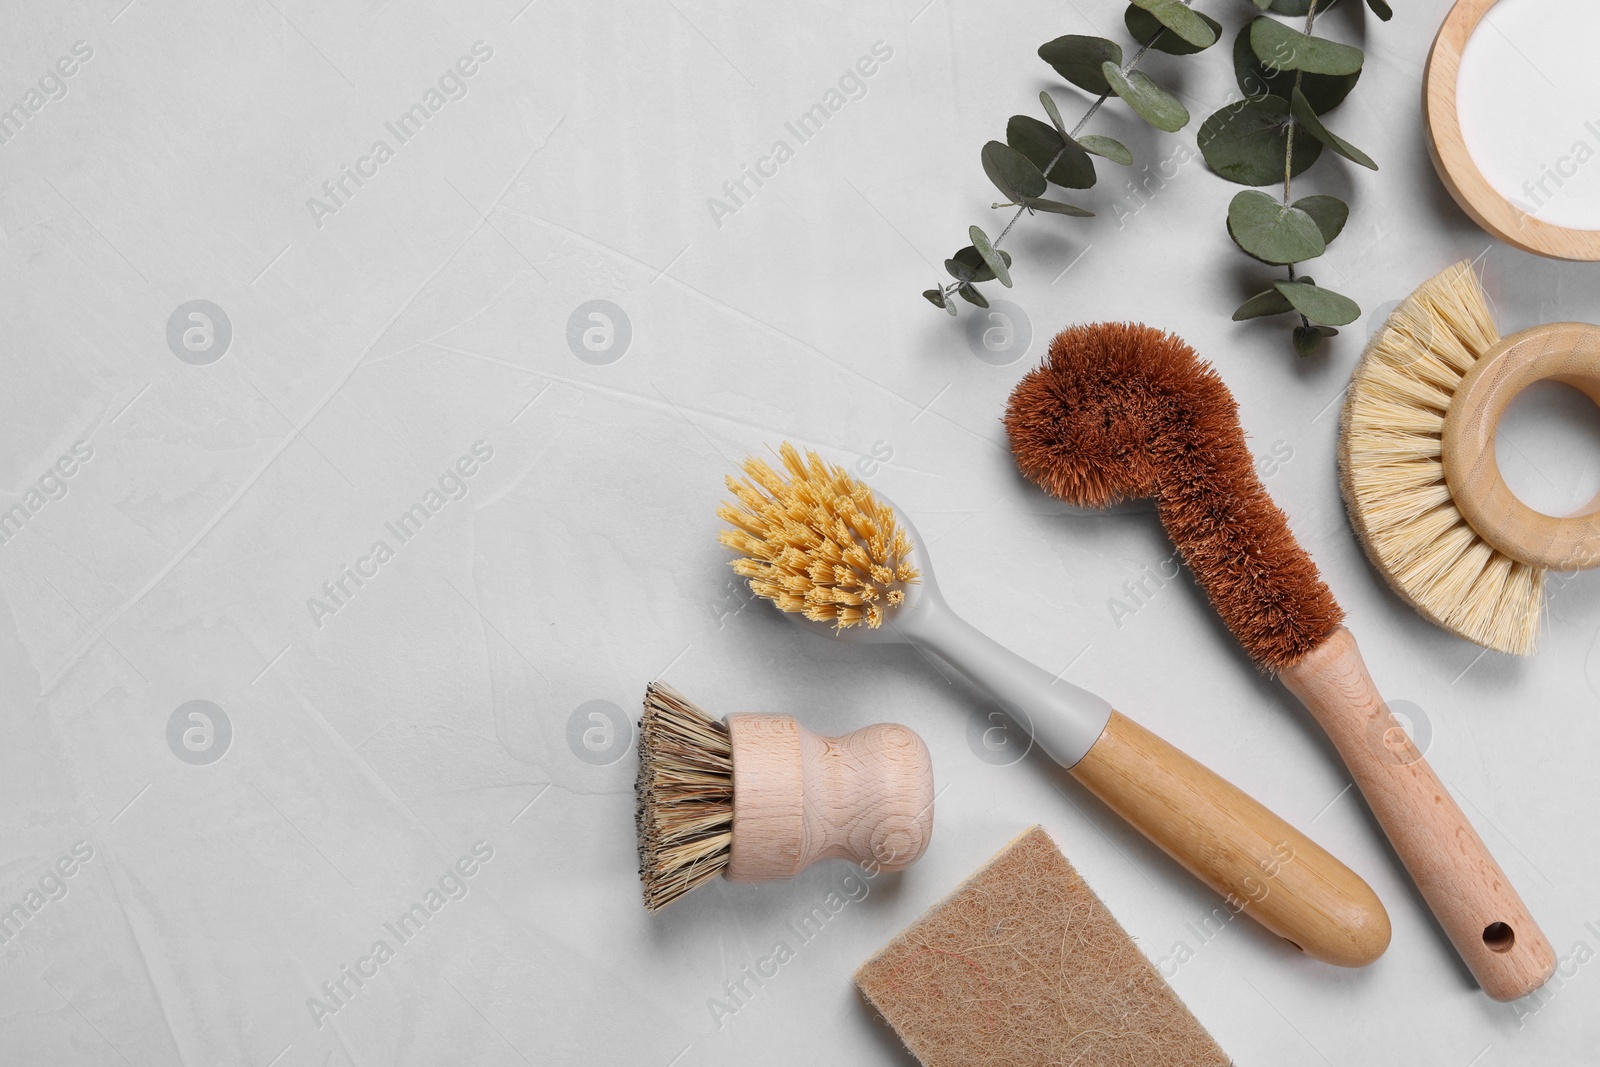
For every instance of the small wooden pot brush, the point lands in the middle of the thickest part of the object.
(1122, 411)
(820, 544)
(1417, 462)
(759, 798)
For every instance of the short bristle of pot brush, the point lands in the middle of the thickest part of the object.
(815, 540)
(1391, 469)
(1123, 411)
(685, 797)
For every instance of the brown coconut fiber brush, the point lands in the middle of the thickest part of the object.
(1418, 469)
(1123, 411)
(758, 798)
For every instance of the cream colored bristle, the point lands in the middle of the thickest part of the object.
(815, 541)
(685, 796)
(1393, 478)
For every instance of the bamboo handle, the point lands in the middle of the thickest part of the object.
(799, 797)
(1229, 840)
(1470, 895)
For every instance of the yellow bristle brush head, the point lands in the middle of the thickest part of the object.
(815, 540)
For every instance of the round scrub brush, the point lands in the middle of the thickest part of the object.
(759, 798)
(1417, 462)
(1120, 411)
(818, 543)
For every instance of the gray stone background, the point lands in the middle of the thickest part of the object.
(458, 721)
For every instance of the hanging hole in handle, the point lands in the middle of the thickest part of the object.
(1499, 937)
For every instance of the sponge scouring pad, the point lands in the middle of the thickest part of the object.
(1024, 964)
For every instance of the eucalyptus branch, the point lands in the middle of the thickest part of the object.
(1293, 78)
(1035, 154)
(1127, 68)
(1290, 79)
(1288, 146)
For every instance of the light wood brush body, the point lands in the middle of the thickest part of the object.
(759, 798)
(1123, 411)
(821, 545)
(1417, 463)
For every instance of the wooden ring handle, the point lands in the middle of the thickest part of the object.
(1469, 894)
(1236, 845)
(1567, 352)
(799, 798)
(1481, 201)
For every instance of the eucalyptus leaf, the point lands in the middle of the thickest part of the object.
(1013, 173)
(1312, 123)
(1106, 148)
(934, 297)
(1318, 304)
(1149, 101)
(972, 296)
(1325, 91)
(1282, 48)
(1055, 115)
(1058, 207)
(1188, 25)
(1040, 143)
(1246, 142)
(1270, 302)
(1079, 60)
(1293, 8)
(961, 272)
(1381, 9)
(1307, 339)
(1329, 212)
(978, 270)
(995, 261)
(1273, 232)
(1262, 4)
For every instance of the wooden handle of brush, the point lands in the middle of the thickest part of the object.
(799, 797)
(1236, 845)
(1470, 895)
(1567, 352)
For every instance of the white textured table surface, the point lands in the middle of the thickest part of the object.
(374, 732)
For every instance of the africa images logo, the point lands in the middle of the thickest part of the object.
(451, 886)
(453, 484)
(52, 86)
(51, 485)
(852, 85)
(452, 85)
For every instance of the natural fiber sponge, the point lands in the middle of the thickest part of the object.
(1023, 965)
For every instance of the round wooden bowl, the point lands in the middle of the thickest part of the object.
(1488, 208)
